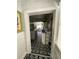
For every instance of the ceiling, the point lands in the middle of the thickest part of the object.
(40, 18)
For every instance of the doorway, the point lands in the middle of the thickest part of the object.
(41, 33)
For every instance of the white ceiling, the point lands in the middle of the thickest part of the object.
(37, 4)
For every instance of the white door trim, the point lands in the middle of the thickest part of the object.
(27, 25)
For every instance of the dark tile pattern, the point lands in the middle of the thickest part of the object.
(39, 48)
(39, 51)
(36, 56)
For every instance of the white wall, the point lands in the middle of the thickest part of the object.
(58, 28)
(59, 39)
(19, 5)
(36, 5)
(21, 46)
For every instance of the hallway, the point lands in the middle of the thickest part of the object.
(41, 36)
(41, 33)
(38, 34)
(39, 48)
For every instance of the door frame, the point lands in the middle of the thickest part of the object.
(27, 27)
